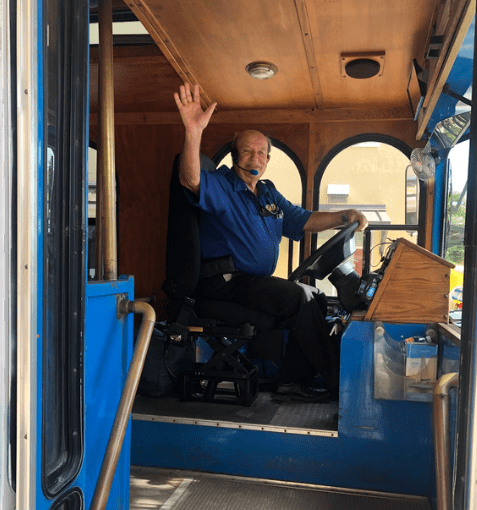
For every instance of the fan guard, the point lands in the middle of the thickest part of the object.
(423, 163)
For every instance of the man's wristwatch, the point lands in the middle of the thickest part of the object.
(344, 219)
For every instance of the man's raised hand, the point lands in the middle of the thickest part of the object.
(193, 117)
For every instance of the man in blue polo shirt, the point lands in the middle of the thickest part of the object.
(243, 218)
(235, 220)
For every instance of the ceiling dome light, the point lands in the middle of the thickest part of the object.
(261, 70)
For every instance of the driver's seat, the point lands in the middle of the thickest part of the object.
(214, 321)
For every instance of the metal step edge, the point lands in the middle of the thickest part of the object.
(233, 425)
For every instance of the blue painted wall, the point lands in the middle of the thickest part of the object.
(108, 350)
(381, 445)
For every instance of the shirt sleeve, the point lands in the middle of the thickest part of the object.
(212, 196)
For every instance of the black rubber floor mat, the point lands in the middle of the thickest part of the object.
(223, 494)
(289, 414)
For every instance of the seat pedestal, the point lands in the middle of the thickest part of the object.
(205, 385)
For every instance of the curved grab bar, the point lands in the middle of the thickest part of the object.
(120, 424)
(440, 405)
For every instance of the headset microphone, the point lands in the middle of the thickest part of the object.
(253, 172)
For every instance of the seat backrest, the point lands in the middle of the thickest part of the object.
(183, 254)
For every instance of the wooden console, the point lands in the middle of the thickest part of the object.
(414, 288)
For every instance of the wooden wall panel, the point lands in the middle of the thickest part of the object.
(294, 136)
(324, 137)
(137, 65)
(144, 158)
(415, 287)
(333, 133)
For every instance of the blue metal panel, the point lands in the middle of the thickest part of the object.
(438, 207)
(381, 445)
(41, 501)
(395, 436)
(459, 81)
(108, 350)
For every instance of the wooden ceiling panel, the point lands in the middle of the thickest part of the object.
(216, 40)
(210, 43)
(350, 26)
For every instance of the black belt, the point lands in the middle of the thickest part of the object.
(216, 266)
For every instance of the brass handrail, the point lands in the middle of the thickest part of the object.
(120, 424)
(106, 192)
(442, 439)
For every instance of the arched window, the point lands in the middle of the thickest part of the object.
(287, 173)
(369, 173)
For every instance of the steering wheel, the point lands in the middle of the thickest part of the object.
(328, 256)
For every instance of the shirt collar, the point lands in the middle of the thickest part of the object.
(239, 185)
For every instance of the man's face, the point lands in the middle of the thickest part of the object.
(252, 148)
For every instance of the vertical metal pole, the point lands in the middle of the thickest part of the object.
(106, 156)
(28, 93)
(366, 251)
(440, 410)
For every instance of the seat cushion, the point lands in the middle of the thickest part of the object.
(234, 314)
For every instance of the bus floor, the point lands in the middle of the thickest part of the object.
(165, 489)
(264, 414)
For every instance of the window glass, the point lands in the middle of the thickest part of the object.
(92, 164)
(412, 197)
(455, 218)
(371, 177)
(92, 174)
(70, 500)
(64, 163)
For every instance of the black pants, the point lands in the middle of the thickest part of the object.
(300, 309)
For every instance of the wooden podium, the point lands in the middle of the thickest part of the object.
(414, 288)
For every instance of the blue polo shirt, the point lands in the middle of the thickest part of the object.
(231, 223)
